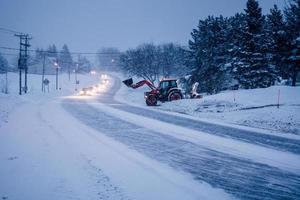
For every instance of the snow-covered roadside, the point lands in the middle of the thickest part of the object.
(7, 104)
(251, 108)
(254, 108)
(12, 100)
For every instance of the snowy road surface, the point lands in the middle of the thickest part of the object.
(245, 164)
(73, 147)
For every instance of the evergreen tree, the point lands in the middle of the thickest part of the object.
(277, 46)
(209, 50)
(235, 34)
(38, 56)
(84, 65)
(254, 17)
(66, 60)
(108, 58)
(3, 64)
(292, 14)
(4, 70)
(236, 25)
(52, 51)
(252, 68)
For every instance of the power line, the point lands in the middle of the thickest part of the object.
(81, 53)
(6, 30)
(9, 48)
(9, 54)
(52, 52)
(33, 63)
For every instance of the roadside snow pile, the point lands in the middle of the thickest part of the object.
(255, 108)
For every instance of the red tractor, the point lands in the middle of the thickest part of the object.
(166, 91)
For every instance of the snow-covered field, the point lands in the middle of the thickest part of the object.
(252, 108)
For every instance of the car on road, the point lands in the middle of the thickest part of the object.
(86, 91)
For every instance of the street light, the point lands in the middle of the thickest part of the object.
(76, 81)
(56, 68)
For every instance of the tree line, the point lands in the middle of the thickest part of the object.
(247, 50)
(49, 56)
(3, 64)
(63, 58)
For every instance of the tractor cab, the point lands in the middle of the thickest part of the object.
(167, 84)
(165, 87)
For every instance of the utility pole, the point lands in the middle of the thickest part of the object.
(56, 70)
(76, 81)
(56, 84)
(60, 78)
(20, 64)
(76, 72)
(43, 74)
(26, 59)
(6, 84)
(22, 61)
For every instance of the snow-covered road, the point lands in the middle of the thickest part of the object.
(245, 164)
(100, 148)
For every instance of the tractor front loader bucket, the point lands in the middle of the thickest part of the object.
(128, 82)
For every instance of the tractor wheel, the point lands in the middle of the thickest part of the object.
(151, 100)
(173, 96)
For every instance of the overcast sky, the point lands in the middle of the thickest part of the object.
(87, 25)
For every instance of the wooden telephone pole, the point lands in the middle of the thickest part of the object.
(22, 61)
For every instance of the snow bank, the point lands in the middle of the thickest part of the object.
(252, 108)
